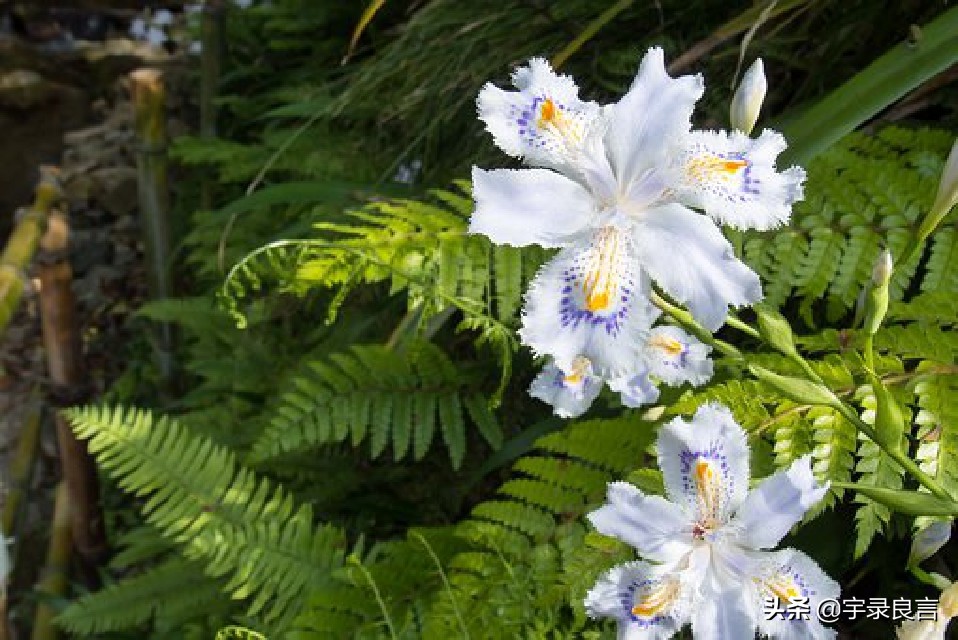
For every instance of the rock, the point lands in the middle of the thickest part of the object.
(22, 89)
(114, 189)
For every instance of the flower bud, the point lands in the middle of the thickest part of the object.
(775, 329)
(945, 199)
(926, 543)
(748, 98)
(797, 389)
(876, 299)
(889, 420)
(947, 196)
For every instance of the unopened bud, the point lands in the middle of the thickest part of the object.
(929, 539)
(876, 299)
(947, 196)
(797, 389)
(945, 199)
(748, 98)
(775, 329)
(881, 271)
(889, 420)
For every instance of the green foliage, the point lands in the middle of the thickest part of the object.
(157, 593)
(241, 527)
(864, 194)
(508, 568)
(420, 248)
(387, 396)
(355, 309)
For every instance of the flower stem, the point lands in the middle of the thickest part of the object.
(903, 460)
(685, 318)
(735, 323)
(688, 323)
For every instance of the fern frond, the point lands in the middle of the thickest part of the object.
(387, 397)
(865, 193)
(937, 421)
(242, 527)
(875, 468)
(134, 601)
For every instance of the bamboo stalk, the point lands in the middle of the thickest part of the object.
(21, 468)
(212, 28)
(61, 341)
(22, 245)
(53, 580)
(4, 628)
(149, 96)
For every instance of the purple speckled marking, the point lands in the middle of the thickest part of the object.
(749, 183)
(527, 120)
(572, 315)
(627, 598)
(749, 186)
(714, 452)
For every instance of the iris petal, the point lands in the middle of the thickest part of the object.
(544, 122)
(705, 464)
(772, 508)
(647, 122)
(733, 179)
(588, 301)
(657, 528)
(529, 206)
(783, 575)
(570, 393)
(688, 256)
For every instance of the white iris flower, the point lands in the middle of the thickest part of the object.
(611, 187)
(666, 354)
(705, 546)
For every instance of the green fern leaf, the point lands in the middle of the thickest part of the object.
(239, 525)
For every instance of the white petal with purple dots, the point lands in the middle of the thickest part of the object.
(589, 301)
(649, 603)
(544, 122)
(706, 539)
(675, 357)
(569, 392)
(733, 178)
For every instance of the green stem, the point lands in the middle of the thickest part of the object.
(445, 582)
(379, 599)
(904, 461)
(868, 351)
(735, 323)
(928, 578)
(688, 323)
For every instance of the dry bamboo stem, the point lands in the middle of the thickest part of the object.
(22, 244)
(149, 96)
(53, 581)
(21, 469)
(211, 37)
(61, 341)
(4, 629)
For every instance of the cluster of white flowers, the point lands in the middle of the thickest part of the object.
(708, 542)
(631, 195)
